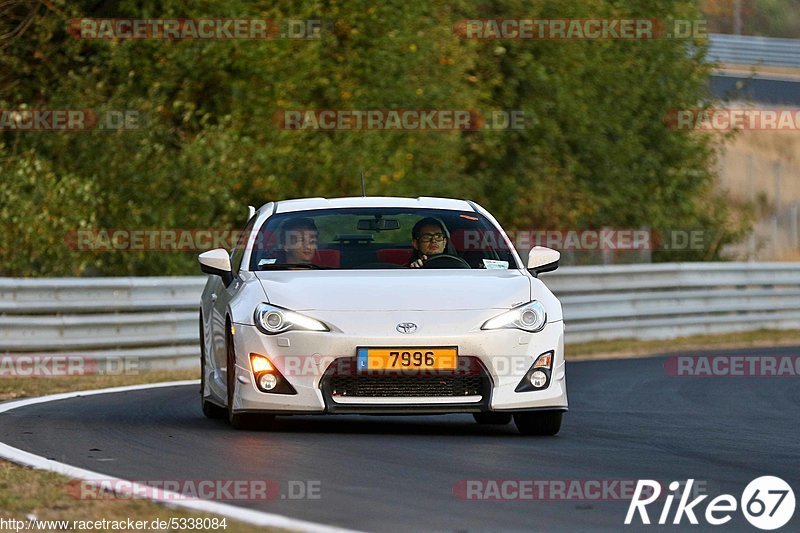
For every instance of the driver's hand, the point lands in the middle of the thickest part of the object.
(418, 263)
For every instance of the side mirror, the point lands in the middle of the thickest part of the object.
(541, 259)
(217, 262)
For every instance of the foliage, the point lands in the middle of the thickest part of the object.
(768, 18)
(595, 151)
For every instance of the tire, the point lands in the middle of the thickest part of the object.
(539, 423)
(240, 420)
(210, 410)
(492, 418)
(251, 421)
(213, 411)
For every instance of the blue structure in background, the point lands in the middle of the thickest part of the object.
(736, 54)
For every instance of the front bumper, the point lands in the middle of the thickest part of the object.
(304, 357)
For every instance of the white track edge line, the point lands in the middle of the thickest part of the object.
(170, 499)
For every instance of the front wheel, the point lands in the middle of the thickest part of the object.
(210, 410)
(251, 421)
(492, 418)
(539, 423)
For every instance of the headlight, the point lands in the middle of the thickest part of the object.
(273, 320)
(530, 317)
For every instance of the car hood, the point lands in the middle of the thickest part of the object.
(402, 290)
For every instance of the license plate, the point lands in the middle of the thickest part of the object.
(407, 358)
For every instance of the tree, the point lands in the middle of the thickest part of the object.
(594, 151)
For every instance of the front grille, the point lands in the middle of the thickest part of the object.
(386, 386)
(342, 380)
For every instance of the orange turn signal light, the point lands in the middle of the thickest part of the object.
(544, 361)
(259, 363)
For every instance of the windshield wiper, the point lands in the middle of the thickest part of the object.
(291, 266)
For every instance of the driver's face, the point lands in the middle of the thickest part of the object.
(430, 241)
(300, 246)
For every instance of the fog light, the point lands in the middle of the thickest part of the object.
(267, 382)
(538, 379)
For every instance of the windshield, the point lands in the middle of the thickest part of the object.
(379, 238)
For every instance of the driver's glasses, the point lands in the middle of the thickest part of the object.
(431, 237)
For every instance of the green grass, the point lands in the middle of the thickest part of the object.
(631, 347)
(26, 387)
(45, 495)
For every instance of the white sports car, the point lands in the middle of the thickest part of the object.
(380, 306)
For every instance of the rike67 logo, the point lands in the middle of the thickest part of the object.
(767, 503)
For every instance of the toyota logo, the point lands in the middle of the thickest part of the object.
(406, 327)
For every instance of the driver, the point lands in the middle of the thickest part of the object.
(429, 238)
(300, 240)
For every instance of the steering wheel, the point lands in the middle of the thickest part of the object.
(445, 261)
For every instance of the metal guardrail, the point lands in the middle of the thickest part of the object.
(748, 50)
(669, 300)
(155, 319)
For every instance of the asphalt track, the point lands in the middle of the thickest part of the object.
(628, 420)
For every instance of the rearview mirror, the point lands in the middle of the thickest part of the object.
(542, 259)
(217, 262)
(380, 224)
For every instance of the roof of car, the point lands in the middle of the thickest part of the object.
(305, 204)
